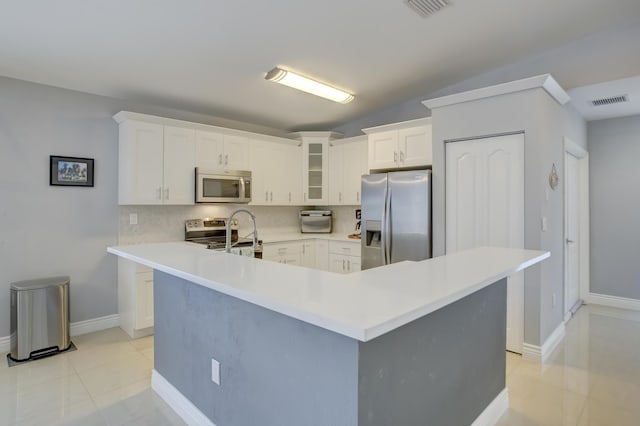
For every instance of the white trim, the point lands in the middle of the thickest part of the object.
(418, 122)
(5, 344)
(541, 354)
(95, 324)
(614, 301)
(494, 410)
(582, 155)
(544, 81)
(75, 329)
(178, 402)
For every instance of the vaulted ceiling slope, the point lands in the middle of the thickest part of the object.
(210, 56)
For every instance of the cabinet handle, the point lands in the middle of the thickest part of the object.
(271, 196)
(159, 193)
(349, 265)
(395, 157)
(226, 159)
(340, 196)
(401, 157)
(266, 195)
(303, 249)
(358, 196)
(220, 159)
(343, 265)
(166, 194)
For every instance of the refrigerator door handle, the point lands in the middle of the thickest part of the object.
(383, 226)
(386, 228)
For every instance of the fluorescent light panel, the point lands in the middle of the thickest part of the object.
(297, 81)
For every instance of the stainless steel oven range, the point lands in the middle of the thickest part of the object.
(211, 233)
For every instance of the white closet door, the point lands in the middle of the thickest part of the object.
(485, 207)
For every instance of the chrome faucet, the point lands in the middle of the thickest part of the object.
(228, 245)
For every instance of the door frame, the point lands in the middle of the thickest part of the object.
(572, 148)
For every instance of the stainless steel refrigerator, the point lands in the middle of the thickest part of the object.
(396, 217)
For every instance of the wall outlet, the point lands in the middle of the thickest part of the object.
(543, 224)
(553, 300)
(215, 371)
(133, 218)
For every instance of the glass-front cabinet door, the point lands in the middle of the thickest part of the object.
(315, 173)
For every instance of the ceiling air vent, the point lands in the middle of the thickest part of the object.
(426, 8)
(610, 100)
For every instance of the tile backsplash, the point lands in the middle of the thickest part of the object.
(166, 223)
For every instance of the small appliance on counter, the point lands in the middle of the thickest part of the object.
(316, 221)
(211, 232)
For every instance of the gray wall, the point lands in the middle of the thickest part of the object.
(544, 123)
(442, 369)
(614, 150)
(46, 230)
(274, 370)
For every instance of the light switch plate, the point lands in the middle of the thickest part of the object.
(133, 218)
(215, 371)
(543, 224)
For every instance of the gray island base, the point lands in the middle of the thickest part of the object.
(444, 368)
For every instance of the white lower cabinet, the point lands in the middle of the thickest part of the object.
(289, 253)
(322, 255)
(135, 298)
(317, 253)
(344, 257)
(308, 255)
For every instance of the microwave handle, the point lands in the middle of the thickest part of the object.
(243, 193)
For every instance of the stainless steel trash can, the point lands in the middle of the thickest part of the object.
(39, 318)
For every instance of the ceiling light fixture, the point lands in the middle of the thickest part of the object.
(297, 81)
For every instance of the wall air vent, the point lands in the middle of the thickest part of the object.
(427, 8)
(609, 101)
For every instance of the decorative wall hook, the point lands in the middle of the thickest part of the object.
(553, 177)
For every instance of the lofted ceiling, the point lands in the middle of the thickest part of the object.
(210, 56)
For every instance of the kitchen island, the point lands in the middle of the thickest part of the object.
(411, 343)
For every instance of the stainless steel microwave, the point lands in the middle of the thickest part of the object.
(223, 186)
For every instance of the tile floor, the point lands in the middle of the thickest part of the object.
(105, 382)
(592, 378)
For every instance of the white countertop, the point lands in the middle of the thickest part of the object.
(277, 237)
(362, 305)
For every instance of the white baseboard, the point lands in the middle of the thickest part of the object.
(494, 410)
(181, 405)
(614, 301)
(95, 324)
(75, 329)
(542, 353)
(5, 344)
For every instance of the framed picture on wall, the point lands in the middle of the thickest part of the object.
(70, 171)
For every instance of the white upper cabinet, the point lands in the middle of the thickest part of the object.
(400, 145)
(347, 163)
(221, 151)
(315, 166)
(155, 164)
(179, 162)
(276, 169)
